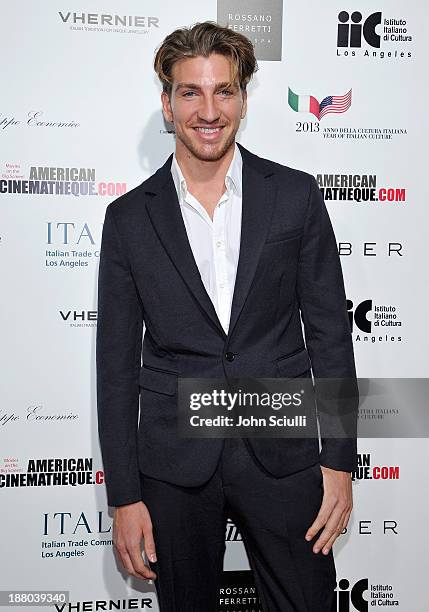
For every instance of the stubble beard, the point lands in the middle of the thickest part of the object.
(204, 155)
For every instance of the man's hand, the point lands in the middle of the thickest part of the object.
(130, 524)
(335, 510)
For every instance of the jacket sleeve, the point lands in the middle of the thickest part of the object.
(118, 357)
(327, 329)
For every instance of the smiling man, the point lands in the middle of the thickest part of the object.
(221, 254)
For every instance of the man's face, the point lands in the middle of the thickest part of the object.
(206, 112)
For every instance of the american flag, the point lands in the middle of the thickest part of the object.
(335, 104)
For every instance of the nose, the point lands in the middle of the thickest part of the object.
(208, 110)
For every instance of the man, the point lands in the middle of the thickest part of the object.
(220, 253)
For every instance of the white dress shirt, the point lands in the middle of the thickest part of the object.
(215, 244)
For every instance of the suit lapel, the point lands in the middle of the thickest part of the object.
(257, 205)
(165, 214)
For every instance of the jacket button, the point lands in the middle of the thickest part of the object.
(229, 356)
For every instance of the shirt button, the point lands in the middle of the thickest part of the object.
(229, 356)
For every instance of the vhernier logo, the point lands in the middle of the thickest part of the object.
(79, 318)
(83, 20)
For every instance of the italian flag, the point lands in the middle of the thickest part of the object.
(306, 104)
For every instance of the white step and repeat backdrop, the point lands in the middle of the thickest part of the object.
(80, 124)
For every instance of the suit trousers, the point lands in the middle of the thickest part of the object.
(272, 515)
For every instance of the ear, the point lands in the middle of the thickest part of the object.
(166, 107)
(244, 105)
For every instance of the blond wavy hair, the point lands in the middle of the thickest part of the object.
(203, 39)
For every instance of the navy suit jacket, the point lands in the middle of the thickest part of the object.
(288, 269)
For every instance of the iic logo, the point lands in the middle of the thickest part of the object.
(360, 315)
(346, 596)
(350, 29)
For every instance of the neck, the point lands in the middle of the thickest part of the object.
(199, 172)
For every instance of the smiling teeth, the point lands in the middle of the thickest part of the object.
(208, 130)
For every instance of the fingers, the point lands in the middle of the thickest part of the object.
(331, 532)
(321, 519)
(129, 526)
(133, 563)
(142, 570)
(330, 516)
(128, 564)
(346, 519)
(334, 527)
(333, 515)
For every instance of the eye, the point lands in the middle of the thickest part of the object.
(226, 92)
(189, 94)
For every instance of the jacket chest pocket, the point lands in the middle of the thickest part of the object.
(155, 379)
(279, 237)
(294, 364)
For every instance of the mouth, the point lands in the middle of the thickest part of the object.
(208, 133)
